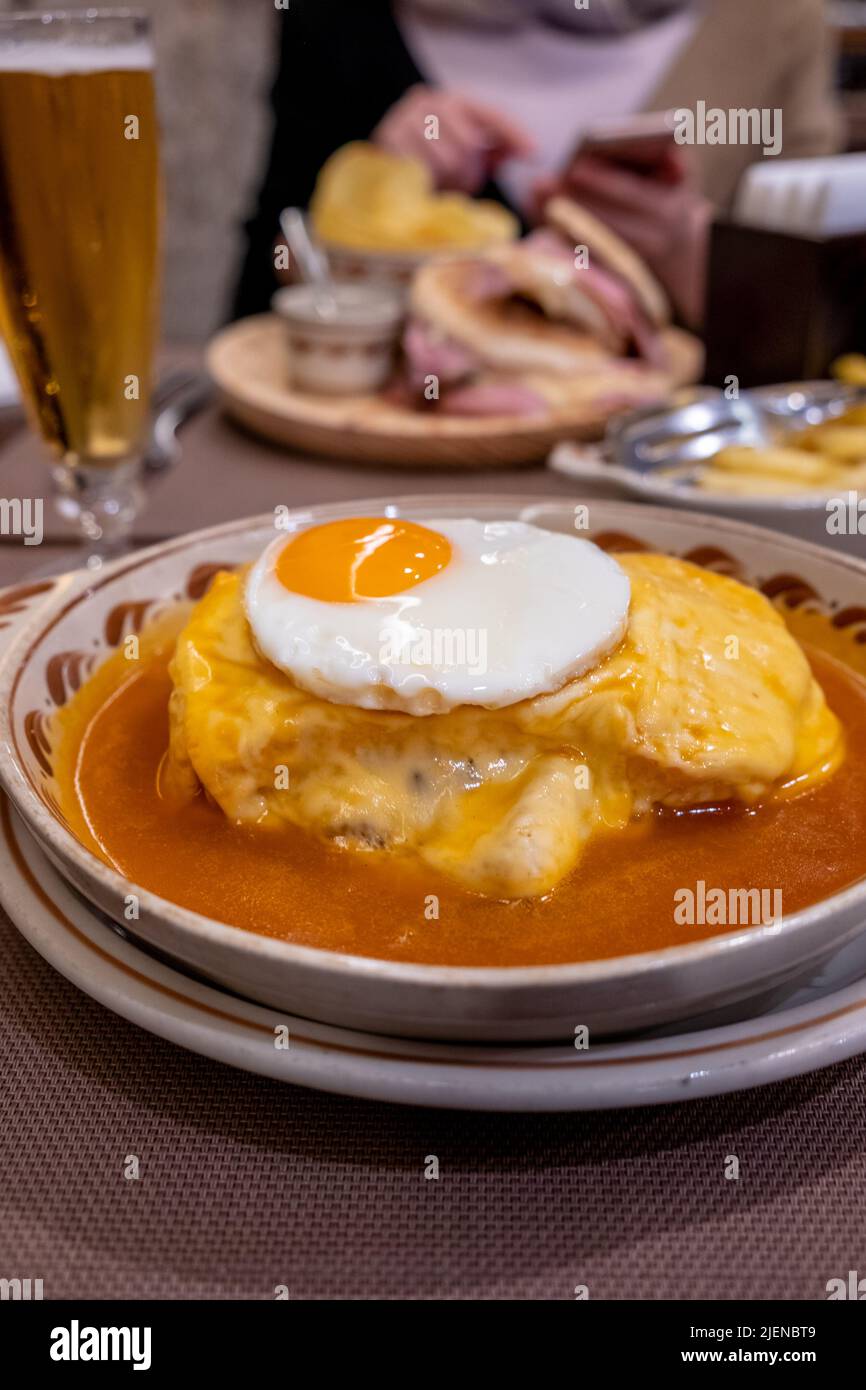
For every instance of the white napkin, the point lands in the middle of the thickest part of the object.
(809, 197)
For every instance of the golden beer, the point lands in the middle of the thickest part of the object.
(79, 232)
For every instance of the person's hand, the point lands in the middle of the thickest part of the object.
(664, 218)
(472, 139)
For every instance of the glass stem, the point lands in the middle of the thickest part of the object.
(102, 500)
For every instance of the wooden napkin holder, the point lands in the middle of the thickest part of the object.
(782, 307)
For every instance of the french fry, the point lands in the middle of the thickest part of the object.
(751, 482)
(790, 464)
(854, 415)
(850, 369)
(853, 477)
(845, 442)
(736, 484)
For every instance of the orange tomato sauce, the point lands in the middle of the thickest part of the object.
(291, 885)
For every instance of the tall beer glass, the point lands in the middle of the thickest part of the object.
(79, 233)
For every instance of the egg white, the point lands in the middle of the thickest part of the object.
(516, 613)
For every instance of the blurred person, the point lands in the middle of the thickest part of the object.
(515, 84)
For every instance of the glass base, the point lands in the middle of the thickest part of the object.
(102, 502)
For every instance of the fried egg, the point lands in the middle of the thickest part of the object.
(384, 613)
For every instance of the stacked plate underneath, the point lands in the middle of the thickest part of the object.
(733, 1010)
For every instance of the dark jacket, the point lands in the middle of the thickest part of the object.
(342, 65)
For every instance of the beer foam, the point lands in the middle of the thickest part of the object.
(63, 59)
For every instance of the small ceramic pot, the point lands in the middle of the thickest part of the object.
(342, 340)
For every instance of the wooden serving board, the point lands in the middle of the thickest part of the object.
(249, 361)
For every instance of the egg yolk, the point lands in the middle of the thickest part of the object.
(360, 558)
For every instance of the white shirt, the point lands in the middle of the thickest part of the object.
(551, 81)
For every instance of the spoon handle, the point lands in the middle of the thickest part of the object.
(310, 260)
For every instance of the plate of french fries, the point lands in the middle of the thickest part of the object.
(784, 456)
(817, 444)
(819, 460)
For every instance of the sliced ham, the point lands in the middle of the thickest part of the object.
(493, 398)
(607, 290)
(549, 243)
(429, 353)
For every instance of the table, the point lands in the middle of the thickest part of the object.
(227, 473)
(246, 1184)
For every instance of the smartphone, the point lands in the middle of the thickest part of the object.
(641, 142)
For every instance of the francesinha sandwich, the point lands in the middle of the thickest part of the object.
(485, 697)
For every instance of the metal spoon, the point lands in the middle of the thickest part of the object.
(311, 261)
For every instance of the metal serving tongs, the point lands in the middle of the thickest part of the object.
(659, 450)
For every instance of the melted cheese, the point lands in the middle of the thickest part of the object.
(707, 699)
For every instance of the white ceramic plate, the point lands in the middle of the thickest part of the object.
(824, 1022)
(80, 619)
(804, 517)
